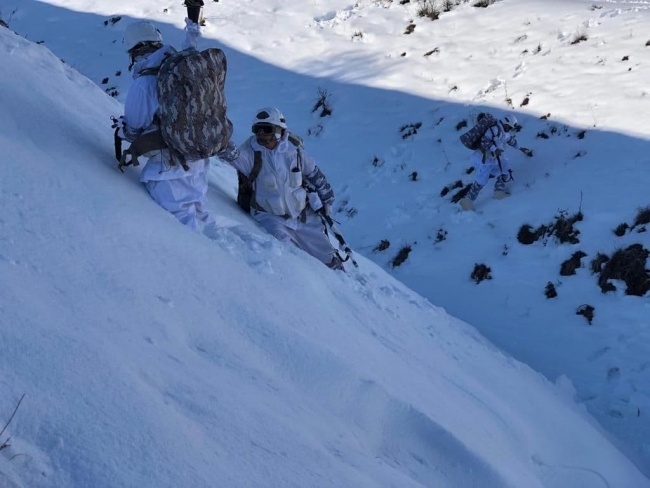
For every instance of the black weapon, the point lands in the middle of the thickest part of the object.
(117, 139)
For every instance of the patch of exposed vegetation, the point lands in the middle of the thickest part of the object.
(550, 290)
(569, 266)
(481, 272)
(382, 246)
(409, 130)
(587, 311)
(401, 256)
(562, 229)
(627, 265)
(460, 194)
(453, 186)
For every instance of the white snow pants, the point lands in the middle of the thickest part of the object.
(490, 167)
(184, 197)
(309, 236)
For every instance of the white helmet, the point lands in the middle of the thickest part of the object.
(140, 31)
(270, 115)
(510, 120)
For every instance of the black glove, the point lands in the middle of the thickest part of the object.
(526, 151)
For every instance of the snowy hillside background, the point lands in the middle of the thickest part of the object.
(157, 370)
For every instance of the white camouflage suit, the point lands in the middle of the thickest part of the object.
(494, 138)
(282, 207)
(183, 193)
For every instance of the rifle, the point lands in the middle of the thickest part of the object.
(116, 138)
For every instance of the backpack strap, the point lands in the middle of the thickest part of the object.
(492, 139)
(149, 71)
(149, 141)
(295, 139)
(255, 172)
(257, 166)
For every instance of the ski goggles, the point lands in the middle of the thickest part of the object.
(264, 128)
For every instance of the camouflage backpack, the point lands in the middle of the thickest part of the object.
(192, 109)
(192, 112)
(472, 138)
(193, 106)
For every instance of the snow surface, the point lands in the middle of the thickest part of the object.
(151, 356)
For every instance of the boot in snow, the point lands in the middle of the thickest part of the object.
(500, 190)
(466, 204)
(336, 264)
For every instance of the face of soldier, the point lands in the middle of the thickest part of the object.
(267, 135)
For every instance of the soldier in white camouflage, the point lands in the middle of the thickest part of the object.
(489, 160)
(291, 196)
(178, 186)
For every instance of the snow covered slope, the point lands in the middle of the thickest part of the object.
(152, 356)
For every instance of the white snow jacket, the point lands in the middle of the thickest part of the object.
(280, 185)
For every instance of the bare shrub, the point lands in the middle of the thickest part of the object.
(484, 3)
(322, 103)
(401, 256)
(5, 443)
(409, 130)
(448, 5)
(562, 229)
(579, 37)
(628, 265)
(642, 217)
(113, 20)
(598, 262)
(587, 311)
(429, 9)
(453, 186)
(460, 194)
(382, 246)
(481, 272)
(550, 290)
(569, 266)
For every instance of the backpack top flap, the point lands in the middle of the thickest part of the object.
(192, 103)
(472, 138)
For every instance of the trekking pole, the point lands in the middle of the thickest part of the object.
(339, 237)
